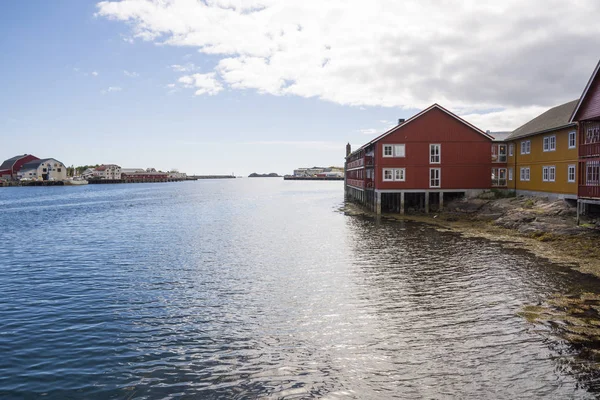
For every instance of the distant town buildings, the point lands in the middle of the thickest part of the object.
(319, 172)
(47, 169)
(10, 168)
(28, 167)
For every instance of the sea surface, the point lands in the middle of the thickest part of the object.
(264, 288)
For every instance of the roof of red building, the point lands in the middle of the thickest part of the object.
(585, 91)
(8, 164)
(414, 117)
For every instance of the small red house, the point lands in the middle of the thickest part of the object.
(431, 155)
(587, 115)
(10, 167)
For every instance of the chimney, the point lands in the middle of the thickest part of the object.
(348, 149)
(401, 121)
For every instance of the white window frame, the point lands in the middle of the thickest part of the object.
(439, 153)
(550, 143)
(545, 174)
(511, 149)
(394, 150)
(439, 177)
(569, 169)
(391, 147)
(510, 174)
(573, 134)
(552, 174)
(391, 171)
(525, 174)
(526, 147)
(500, 147)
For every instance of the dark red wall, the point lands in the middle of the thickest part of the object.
(590, 108)
(465, 154)
(17, 166)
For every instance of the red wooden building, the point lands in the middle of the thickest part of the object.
(587, 115)
(10, 167)
(434, 154)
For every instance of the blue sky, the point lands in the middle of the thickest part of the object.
(227, 86)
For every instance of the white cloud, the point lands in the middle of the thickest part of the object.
(189, 67)
(203, 83)
(111, 89)
(171, 85)
(131, 74)
(369, 131)
(470, 56)
(94, 73)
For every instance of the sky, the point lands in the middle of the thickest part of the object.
(234, 86)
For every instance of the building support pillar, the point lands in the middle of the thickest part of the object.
(441, 201)
(402, 203)
(378, 204)
(426, 202)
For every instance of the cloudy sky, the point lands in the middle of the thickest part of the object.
(221, 86)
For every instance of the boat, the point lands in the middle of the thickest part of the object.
(75, 181)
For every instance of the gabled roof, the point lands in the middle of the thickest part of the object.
(553, 119)
(8, 164)
(35, 164)
(587, 88)
(414, 117)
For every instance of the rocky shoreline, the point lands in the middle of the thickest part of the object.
(545, 227)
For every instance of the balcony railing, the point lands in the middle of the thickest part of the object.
(369, 161)
(356, 163)
(356, 183)
(589, 191)
(589, 150)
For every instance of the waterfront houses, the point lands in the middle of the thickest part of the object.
(432, 156)
(107, 171)
(10, 168)
(47, 169)
(587, 115)
(542, 155)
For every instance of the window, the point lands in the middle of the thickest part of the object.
(526, 147)
(570, 170)
(572, 139)
(387, 150)
(396, 174)
(399, 174)
(525, 174)
(388, 175)
(44, 170)
(502, 153)
(510, 174)
(511, 149)
(592, 174)
(549, 143)
(549, 174)
(434, 177)
(399, 150)
(435, 153)
(394, 150)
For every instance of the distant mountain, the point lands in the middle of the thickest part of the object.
(271, 175)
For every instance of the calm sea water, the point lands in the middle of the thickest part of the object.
(261, 288)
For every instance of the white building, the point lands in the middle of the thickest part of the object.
(107, 171)
(47, 169)
(177, 175)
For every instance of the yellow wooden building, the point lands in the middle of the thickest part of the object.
(542, 155)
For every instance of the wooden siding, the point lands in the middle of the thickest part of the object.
(465, 154)
(560, 158)
(590, 106)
